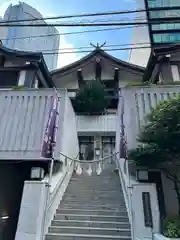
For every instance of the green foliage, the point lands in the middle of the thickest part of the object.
(91, 99)
(21, 87)
(159, 139)
(172, 227)
(170, 83)
(149, 84)
(136, 84)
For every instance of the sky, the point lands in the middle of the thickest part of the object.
(66, 7)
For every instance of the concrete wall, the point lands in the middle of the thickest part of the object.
(132, 191)
(46, 199)
(24, 116)
(69, 144)
(92, 124)
(32, 212)
(138, 102)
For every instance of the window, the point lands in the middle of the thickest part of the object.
(86, 147)
(166, 37)
(108, 147)
(175, 73)
(8, 78)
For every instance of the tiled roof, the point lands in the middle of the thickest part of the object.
(23, 117)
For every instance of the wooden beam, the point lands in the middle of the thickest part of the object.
(98, 69)
(116, 76)
(81, 81)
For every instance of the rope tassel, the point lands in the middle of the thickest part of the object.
(89, 171)
(78, 169)
(99, 169)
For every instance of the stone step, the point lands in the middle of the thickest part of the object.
(62, 236)
(94, 193)
(87, 191)
(93, 198)
(93, 202)
(90, 230)
(100, 224)
(95, 181)
(121, 212)
(73, 188)
(94, 185)
(91, 217)
(55, 236)
(111, 207)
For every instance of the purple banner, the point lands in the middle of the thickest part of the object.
(49, 137)
(123, 147)
(123, 143)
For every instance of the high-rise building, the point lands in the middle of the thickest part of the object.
(163, 33)
(154, 34)
(40, 39)
(3, 30)
(140, 38)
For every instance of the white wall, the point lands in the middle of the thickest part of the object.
(138, 102)
(3, 32)
(32, 223)
(69, 144)
(104, 123)
(25, 11)
(32, 211)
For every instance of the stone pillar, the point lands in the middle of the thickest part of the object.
(30, 78)
(32, 215)
(36, 83)
(22, 77)
(97, 144)
(166, 72)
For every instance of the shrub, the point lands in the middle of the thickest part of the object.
(172, 227)
(91, 99)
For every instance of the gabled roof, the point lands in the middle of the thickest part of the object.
(97, 51)
(158, 53)
(36, 57)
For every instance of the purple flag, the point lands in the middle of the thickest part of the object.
(49, 137)
(123, 144)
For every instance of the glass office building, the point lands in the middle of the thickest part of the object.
(163, 32)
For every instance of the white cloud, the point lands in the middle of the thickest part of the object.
(65, 59)
(5, 5)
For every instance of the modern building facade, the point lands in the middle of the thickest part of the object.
(163, 33)
(155, 33)
(41, 39)
(3, 32)
(140, 39)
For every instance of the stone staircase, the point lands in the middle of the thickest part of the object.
(92, 208)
